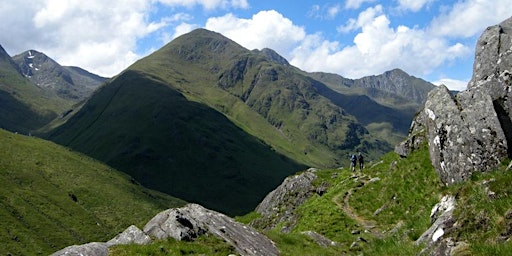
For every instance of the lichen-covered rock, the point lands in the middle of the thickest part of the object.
(96, 249)
(472, 130)
(132, 235)
(193, 220)
(442, 220)
(279, 205)
(464, 133)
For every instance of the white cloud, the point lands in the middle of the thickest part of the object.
(183, 28)
(469, 18)
(355, 4)
(327, 11)
(265, 29)
(96, 35)
(413, 5)
(208, 4)
(452, 84)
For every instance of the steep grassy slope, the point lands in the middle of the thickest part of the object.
(166, 142)
(52, 197)
(24, 107)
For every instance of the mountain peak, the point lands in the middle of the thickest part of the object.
(272, 56)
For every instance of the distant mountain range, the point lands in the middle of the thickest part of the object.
(209, 121)
(34, 90)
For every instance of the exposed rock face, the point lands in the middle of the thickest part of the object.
(471, 131)
(186, 223)
(132, 235)
(279, 205)
(193, 220)
(96, 249)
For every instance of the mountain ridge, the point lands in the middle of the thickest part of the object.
(70, 83)
(281, 109)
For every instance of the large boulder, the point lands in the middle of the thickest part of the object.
(472, 130)
(96, 249)
(464, 133)
(193, 220)
(279, 205)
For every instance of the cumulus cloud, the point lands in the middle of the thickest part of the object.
(100, 36)
(378, 47)
(268, 29)
(468, 18)
(96, 35)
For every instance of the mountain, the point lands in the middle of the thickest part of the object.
(173, 119)
(52, 197)
(24, 107)
(209, 121)
(70, 83)
(390, 100)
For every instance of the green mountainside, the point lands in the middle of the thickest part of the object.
(52, 197)
(209, 121)
(176, 146)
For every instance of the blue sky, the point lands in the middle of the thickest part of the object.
(430, 39)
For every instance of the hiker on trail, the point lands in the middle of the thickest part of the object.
(353, 163)
(361, 161)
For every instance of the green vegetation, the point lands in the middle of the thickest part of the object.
(276, 103)
(204, 245)
(385, 216)
(52, 197)
(24, 107)
(174, 145)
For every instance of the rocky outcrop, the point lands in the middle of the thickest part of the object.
(95, 248)
(186, 223)
(279, 205)
(193, 220)
(472, 130)
(441, 218)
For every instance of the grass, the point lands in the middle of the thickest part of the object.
(167, 143)
(52, 197)
(404, 194)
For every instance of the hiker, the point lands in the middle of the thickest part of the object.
(353, 163)
(361, 161)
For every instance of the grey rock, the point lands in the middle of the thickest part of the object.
(193, 220)
(464, 134)
(471, 131)
(279, 205)
(442, 221)
(417, 135)
(90, 249)
(132, 235)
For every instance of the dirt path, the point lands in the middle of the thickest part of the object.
(345, 206)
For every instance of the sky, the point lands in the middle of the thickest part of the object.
(430, 39)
